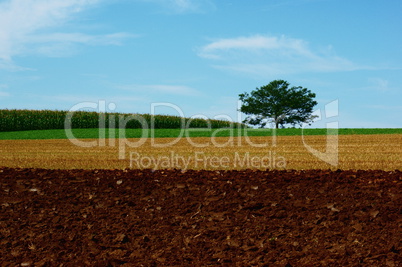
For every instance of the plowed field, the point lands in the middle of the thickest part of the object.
(200, 218)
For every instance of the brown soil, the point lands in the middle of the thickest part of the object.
(193, 218)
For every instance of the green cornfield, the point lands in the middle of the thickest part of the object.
(25, 120)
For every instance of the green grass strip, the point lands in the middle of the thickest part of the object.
(173, 133)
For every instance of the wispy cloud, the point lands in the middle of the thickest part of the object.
(161, 88)
(379, 84)
(290, 3)
(29, 27)
(62, 44)
(184, 6)
(2, 92)
(272, 55)
(76, 99)
(385, 107)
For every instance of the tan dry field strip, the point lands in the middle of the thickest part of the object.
(285, 152)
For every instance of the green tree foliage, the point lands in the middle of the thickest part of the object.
(277, 103)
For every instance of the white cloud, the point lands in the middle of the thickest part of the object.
(271, 55)
(379, 84)
(115, 103)
(108, 39)
(74, 99)
(28, 27)
(62, 44)
(160, 88)
(257, 42)
(385, 107)
(3, 93)
(184, 6)
(289, 3)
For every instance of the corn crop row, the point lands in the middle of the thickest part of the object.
(24, 120)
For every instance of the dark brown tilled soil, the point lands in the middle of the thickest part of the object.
(200, 218)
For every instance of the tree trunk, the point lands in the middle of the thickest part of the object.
(276, 118)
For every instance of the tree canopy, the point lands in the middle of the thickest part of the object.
(278, 104)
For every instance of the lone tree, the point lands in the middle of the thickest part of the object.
(277, 103)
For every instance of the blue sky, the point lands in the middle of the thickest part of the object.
(199, 55)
